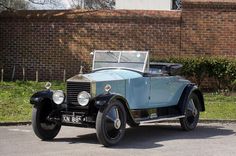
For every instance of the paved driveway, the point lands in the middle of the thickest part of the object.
(161, 139)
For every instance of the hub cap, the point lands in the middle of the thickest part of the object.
(117, 123)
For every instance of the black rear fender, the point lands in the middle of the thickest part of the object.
(201, 98)
(189, 89)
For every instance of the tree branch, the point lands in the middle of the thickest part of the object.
(5, 7)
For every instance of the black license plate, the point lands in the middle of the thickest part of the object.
(71, 119)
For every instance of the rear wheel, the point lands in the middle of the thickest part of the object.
(43, 128)
(110, 123)
(190, 121)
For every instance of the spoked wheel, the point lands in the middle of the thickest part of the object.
(43, 128)
(189, 122)
(110, 123)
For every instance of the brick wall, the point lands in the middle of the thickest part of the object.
(208, 27)
(53, 41)
(56, 40)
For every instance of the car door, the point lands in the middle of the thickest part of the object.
(165, 90)
(138, 92)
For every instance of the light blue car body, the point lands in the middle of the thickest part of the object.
(123, 88)
(141, 92)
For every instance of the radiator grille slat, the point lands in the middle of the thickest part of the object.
(74, 88)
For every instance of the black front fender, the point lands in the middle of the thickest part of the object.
(101, 101)
(189, 89)
(38, 97)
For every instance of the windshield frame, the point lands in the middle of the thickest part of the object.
(145, 63)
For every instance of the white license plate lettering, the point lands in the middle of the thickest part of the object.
(71, 119)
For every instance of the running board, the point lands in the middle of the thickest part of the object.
(162, 119)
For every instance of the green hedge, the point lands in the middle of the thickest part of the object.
(222, 69)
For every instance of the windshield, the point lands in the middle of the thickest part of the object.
(134, 60)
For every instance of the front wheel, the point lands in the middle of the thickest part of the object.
(43, 128)
(110, 123)
(190, 121)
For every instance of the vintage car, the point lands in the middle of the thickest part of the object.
(123, 88)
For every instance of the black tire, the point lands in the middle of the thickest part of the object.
(190, 121)
(110, 123)
(44, 129)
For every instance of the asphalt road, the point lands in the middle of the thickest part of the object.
(160, 140)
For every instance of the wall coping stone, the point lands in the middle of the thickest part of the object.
(219, 5)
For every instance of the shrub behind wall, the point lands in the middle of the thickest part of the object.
(221, 69)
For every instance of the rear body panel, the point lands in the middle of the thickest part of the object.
(166, 90)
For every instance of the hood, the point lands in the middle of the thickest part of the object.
(107, 75)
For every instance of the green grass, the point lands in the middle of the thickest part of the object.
(219, 106)
(15, 96)
(15, 106)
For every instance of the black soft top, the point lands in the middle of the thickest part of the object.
(166, 68)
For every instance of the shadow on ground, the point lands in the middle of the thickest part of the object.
(149, 136)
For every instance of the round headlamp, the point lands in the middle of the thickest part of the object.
(83, 98)
(58, 97)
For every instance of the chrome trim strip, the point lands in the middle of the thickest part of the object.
(94, 53)
(93, 89)
(162, 119)
(117, 69)
(119, 57)
(145, 62)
